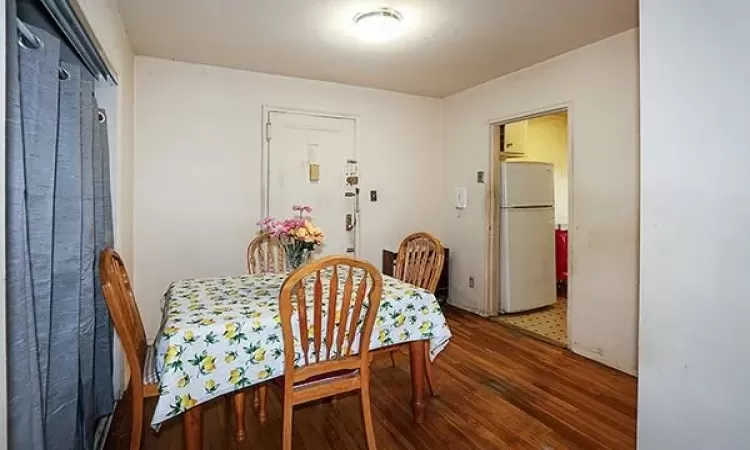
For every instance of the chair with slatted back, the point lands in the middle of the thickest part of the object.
(420, 262)
(265, 254)
(329, 361)
(123, 309)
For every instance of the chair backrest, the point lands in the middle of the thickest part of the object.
(420, 260)
(124, 312)
(265, 254)
(336, 300)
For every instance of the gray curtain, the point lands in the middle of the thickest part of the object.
(59, 216)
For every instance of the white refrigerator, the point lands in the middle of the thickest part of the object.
(527, 236)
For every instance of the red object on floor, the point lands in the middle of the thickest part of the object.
(561, 255)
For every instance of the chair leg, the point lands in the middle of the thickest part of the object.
(262, 395)
(256, 398)
(288, 417)
(428, 370)
(393, 358)
(367, 415)
(137, 425)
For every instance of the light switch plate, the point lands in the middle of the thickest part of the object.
(373, 196)
(461, 198)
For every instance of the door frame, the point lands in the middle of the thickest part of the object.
(492, 211)
(266, 111)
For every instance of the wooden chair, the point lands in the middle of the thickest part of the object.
(334, 366)
(123, 310)
(265, 254)
(420, 262)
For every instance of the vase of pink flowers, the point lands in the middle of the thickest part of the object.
(297, 234)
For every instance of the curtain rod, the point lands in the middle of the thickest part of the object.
(31, 40)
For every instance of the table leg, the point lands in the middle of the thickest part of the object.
(417, 356)
(238, 398)
(193, 429)
(262, 391)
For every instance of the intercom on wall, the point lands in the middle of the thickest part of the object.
(461, 198)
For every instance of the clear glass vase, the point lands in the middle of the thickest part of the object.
(297, 254)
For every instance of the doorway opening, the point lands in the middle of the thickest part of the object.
(529, 219)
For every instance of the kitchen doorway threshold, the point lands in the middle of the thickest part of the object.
(549, 324)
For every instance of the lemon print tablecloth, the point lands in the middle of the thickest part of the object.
(219, 335)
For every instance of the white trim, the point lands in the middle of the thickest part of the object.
(86, 24)
(530, 114)
(308, 112)
(266, 111)
(491, 216)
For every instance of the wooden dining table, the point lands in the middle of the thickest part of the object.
(221, 335)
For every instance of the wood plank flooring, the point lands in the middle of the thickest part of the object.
(497, 389)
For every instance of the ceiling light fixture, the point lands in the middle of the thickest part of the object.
(379, 25)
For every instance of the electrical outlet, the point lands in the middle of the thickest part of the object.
(471, 282)
(373, 196)
(480, 176)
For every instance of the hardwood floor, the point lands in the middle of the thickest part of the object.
(497, 389)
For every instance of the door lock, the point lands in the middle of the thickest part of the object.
(349, 222)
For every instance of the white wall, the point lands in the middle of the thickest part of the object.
(547, 141)
(198, 163)
(600, 83)
(694, 387)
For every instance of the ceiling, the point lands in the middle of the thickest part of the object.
(447, 46)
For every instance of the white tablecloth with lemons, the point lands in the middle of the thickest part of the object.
(219, 335)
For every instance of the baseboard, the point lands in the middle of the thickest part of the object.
(597, 357)
(470, 309)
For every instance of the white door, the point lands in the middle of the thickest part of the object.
(527, 266)
(527, 184)
(297, 142)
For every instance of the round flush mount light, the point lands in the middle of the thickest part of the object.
(379, 25)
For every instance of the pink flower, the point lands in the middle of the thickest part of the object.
(266, 223)
(298, 228)
(276, 229)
